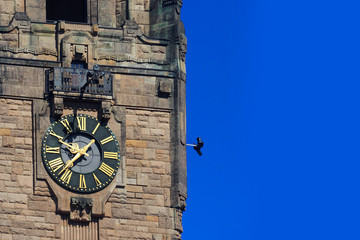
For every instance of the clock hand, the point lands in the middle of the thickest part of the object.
(70, 162)
(72, 147)
(82, 151)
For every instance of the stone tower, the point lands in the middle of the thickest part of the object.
(92, 119)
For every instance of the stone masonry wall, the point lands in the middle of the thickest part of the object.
(22, 215)
(147, 213)
(28, 213)
(8, 9)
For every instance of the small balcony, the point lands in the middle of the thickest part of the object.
(79, 83)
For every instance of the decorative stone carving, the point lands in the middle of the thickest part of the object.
(79, 52)
(179, 212)
(164, 88)
(79, 230)
(105, 111)
(71, 50)
(81, 209)
(182, 47)
(57, 107)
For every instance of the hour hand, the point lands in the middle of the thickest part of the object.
(72, 148)
(70, 163)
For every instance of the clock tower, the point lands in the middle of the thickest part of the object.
(92, 119)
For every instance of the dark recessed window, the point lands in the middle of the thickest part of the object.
(68, 10)
(78, 65)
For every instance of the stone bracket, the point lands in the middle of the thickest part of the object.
(178, 212)
(164, 88)
(57, 107)
(182, 41)
(105, 111)
(80, 209)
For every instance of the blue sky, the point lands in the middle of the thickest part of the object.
(273, 88)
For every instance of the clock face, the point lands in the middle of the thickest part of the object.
(80, 153)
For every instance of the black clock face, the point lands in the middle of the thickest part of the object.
(80, 153)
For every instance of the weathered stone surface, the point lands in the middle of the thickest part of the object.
(116, 36)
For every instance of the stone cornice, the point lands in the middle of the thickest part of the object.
(33, 51)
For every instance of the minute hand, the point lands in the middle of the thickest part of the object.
(84, 149)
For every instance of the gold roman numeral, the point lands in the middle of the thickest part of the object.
(97, 181)
(106, 140)
(66, 176)
(55, 135)
(111, 155)
(106, 169)
(97, 126)
(81, 123)
(56, 164)
(52, 149)
(66, 124)
(82, 183)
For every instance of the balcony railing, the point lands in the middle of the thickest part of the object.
(68, 80)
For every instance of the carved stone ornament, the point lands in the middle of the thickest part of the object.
(105, 111)
(179, 212)
(81, 209)
(57, 108)
(182, 47)
(164, 89)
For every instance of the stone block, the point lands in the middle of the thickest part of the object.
(17, 198)
(152, 218)
(7, 7)
(47, 42)
(3, 197)
(5, 132)
(122, 213)
(36, 13)
(136, 189)
(142, 179)
(136, 143)
(19, 6)
(25, 181)
(157, 237)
